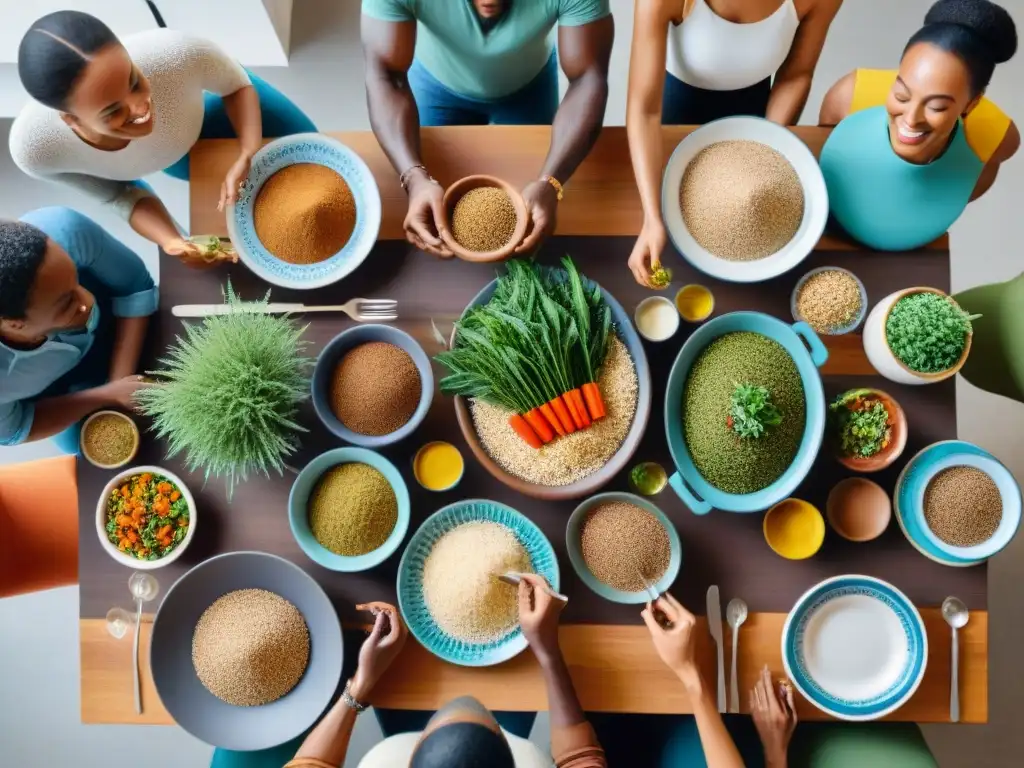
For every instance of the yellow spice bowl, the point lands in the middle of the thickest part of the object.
(438, 466)
(695, 303)
(794, 529)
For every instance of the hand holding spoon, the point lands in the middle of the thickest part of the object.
(955, 613)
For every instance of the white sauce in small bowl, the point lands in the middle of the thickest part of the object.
(656, 318)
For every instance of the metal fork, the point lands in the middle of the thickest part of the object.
(360, 310)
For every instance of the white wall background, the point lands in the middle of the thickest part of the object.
(39, 716)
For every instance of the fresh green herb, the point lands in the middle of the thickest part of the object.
(751, 411)
(928, 331)
(860, 423)
(660, 277)
(230, 393)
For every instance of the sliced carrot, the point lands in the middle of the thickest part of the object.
(571, 407)
(175, 495)
(595, 404)
(132, 536)
(165, 531)
(524, 430)
(577, 399)
(540, 425)
(564, 418)
(551, 419)
(182, 522)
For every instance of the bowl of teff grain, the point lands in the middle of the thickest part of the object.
(349, 509)
(743, 199)
(308, 213)
(486, 218)
(372, 385)
(623, 547)
(246, 651)
(109, 439)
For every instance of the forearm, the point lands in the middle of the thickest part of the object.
(719, 749)
(577, 125)
(151, 220)
(243, 110)
(645, 151)
(55, 414)
(394, 117)
(985, 180)
(787, 99)
(129, 335)
(563, 704)
(328, 742)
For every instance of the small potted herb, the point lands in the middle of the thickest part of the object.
(868, 429)
(751, 411)
(918, 336)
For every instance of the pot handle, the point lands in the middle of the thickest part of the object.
(819, 354)
(697, 506)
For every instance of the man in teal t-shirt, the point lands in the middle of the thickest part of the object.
(481, 62)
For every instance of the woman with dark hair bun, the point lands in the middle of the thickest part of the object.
(945, 142)
(107, 112)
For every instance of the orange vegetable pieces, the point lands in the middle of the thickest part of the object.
(164, 487)
(175, 495)
(162, 506)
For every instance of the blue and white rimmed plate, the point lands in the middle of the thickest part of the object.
(320, 150)
(855, 647)
(410, 580)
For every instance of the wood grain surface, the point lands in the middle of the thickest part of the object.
(600, 199)
(614, 668)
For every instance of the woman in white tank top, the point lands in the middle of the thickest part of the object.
(694, 61)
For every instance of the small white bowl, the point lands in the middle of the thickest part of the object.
(101, 520)
(670, 311)
(85, 428)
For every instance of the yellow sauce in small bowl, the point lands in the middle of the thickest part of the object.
(438, 466)
(695, 303)
(794, 529)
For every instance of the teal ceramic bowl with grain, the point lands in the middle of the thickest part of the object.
(574, 530)
(298, 509)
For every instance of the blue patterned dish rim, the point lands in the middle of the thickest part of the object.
(909, 492)
(910, 677)
(410, 580)
(320, 150)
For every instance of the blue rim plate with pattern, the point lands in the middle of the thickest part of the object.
(410, 580)
(855, 647)
(321, 150)
(909, 491)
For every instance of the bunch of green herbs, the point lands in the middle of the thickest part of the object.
(230, 393)
(751, 410)
(860, 423)
(927, 331)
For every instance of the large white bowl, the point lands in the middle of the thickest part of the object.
(799, 156)
(101, 520)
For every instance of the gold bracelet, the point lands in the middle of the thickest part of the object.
(554, 183)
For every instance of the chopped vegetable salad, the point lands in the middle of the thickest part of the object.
(147, 516)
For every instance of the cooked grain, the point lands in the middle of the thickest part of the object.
(375, 388)
(829, 301)
(484, 219)
(963, 506)
(624, 545)
(352, 510)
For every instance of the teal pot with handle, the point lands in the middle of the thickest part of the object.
(808, 353)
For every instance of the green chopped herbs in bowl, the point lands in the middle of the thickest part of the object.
(927, 331)
(751, 411)
(660, 277)
(860, 423)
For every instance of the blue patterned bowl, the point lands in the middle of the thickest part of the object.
(321, 150)
(855, 647)
(410, 580)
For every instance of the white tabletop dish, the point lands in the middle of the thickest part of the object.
(656, 318)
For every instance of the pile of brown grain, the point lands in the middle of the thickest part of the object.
(829, 301)
(375, 388)
(109, 439)
(484, 219)
(352, 510)
(963, 506)
(304, 213)
(624, 545)
(741, 200)
(250, 647)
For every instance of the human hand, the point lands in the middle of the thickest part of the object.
(775, 717)
(233, 181)
(538, 616)
(672, 633)
(425, 220)
(122, 391)
(196, 256)
(541, 200)
(379, 650)
(646, 255)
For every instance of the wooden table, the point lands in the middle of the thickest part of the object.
(608, 650)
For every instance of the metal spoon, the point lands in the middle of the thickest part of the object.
(955, 613)
(143, 588)
(513, 578)
(735, 614)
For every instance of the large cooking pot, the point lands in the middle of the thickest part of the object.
(807, 352)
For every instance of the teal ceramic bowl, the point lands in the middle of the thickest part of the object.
(298, 506)
(808, 353)
(572, 544)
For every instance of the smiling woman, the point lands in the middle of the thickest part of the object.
(108, 112)
(946, 141)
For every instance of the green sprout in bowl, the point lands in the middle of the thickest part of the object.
(751, 411)
(860, 422)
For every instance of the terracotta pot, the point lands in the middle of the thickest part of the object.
(876, 345)
(452, 196)
(889, 454)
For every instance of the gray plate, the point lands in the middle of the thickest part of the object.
(200, 712)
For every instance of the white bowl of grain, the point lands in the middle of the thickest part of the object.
(743, 199)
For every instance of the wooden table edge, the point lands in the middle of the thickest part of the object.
(614, 668)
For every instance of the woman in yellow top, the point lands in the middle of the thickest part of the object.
(900, 187)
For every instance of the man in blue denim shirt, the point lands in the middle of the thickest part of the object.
(74, 307)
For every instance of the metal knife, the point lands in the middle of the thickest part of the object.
(715, 627)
